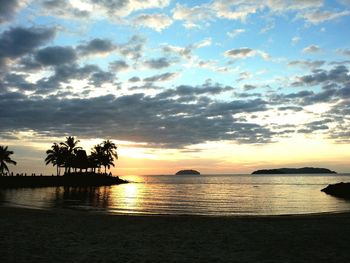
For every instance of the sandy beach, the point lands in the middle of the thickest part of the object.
(73, 236)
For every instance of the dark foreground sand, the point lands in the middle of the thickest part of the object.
(71, 236)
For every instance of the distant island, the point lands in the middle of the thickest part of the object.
(304, 170)
(181, 172)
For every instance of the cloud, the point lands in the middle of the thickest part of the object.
(134, 79)
(186, 52)
(100, 9)
(9, 8)
(158, 63)
(162, 77)
(337, 75)
(65, 73)
(56, 55)
(133, 48)
(193, 91)
(96, 46)
(124, 8)
(249, 87)
(318, 17)
(234, 10)
(312, 49)
(157, 22)
(118, 65)
(344, 51)
(157, 121)
(236, 32)
(192, 17)
(18, 81)
(307, 63)
(315, 126)
(245, 52)
(18, 41)
(295, 40)
(65, 9)
(283, 6)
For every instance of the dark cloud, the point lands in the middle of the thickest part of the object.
(118, 65)
(67, 72)
(98, 78)
(8, 9)
(18, 41)
(248, 87)
(157, 121)
(339, 74)
(315, 126)
(193, 92)
(18, 81)
(97, 46)
(53, 56)
(291, 108)
(161, 77)
(158, 63)
(134, 79)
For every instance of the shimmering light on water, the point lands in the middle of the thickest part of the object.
(200, 195)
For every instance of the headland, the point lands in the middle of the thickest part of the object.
(74, 179)
(304, 170)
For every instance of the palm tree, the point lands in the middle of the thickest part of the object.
(110, 148)
(97, 155)
(70, 148)
(110, 153)
(56, 156)
(5, 158)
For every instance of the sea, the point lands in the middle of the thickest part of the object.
(209, 195)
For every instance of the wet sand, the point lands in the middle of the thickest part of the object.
(76, 236)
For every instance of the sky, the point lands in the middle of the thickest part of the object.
(218, 86)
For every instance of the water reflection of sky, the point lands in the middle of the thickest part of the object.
(205, 195)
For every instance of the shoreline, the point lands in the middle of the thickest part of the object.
(101, 212)
(45, 235)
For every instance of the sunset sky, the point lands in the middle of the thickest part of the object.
(218, 86)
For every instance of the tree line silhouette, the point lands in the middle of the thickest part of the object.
(69, 156)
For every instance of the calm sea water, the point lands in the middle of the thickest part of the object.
(188, 195)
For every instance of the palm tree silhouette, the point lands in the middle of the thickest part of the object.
(110, 152)
(97, 155)
(70, 148)
(5, 158)
(56, 156)
(110, 148)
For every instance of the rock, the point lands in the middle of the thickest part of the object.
(338, 190)
(188, 172)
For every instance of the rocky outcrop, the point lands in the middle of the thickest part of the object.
(338, 190)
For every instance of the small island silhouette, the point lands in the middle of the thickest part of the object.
(304, 170)
(188, 172)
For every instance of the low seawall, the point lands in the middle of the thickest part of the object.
(46, 181)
